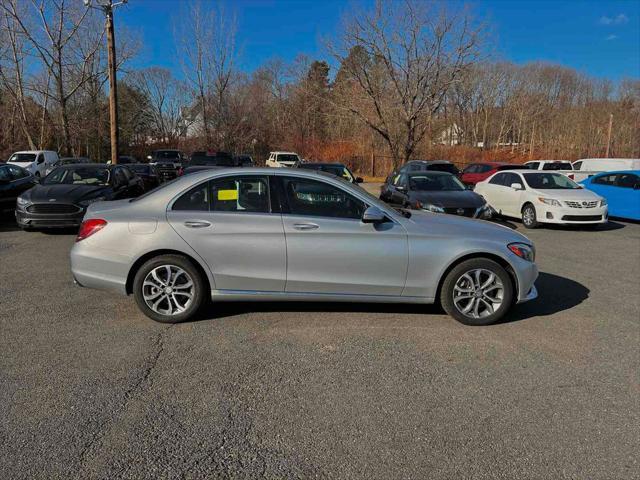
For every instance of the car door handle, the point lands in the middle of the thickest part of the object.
(305, 226)
(196, 224)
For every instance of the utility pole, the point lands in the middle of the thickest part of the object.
(107, 6)
(606, 155)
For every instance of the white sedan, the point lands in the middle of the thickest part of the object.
(542, 197)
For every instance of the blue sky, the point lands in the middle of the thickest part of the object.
(600, 38)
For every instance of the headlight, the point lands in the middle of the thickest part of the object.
(524, 251)
(550, 201)
(22, 201)
(431, 208)
(603, 202)
(86, 203)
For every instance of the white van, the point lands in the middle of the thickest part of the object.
(34, 161)
(607, 164)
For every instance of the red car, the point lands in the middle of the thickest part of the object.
(477, 172)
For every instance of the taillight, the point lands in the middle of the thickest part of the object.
(180, 171)
(89, 227)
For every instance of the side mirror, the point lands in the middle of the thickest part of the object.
(373, 215)
(517, 186)
(359, 180)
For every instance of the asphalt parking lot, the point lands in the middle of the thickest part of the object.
(90, 388)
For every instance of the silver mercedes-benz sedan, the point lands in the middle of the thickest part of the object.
(282, 234)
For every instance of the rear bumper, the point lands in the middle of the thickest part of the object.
(39, 220)
(102, 270)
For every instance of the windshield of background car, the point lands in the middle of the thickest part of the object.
(221, 161)
(23, 157)
(144, 169)
(166, 155)
(550, 181)
(78, 176)
(288, 158)
(557, 166)
(435, 183)
(443, 167)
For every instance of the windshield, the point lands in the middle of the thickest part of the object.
(550, 181)
(222, 161)
(288, 158)
(557, 166)
(435, 183)
(78, 176)
(23, 157)
(166, 154)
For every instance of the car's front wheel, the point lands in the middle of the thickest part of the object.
(478, 291)
(529, 217)
(169, 289)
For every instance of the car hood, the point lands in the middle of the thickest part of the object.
(65, 193)
(457, 199)
(577, 195)
(447, 225)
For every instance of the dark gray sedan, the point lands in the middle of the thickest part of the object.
(438, 192)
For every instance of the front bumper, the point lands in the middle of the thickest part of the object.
(48, 220)
(571, 216)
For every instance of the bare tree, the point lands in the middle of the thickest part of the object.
(414, 52)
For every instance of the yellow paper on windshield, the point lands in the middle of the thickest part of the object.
(227, 194)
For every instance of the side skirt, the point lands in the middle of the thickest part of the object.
(256, 296)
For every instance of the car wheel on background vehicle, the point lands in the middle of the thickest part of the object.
(169, 289)
(477, 292)
(529, 218)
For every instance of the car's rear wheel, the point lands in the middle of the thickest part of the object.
(169, 289)
(478, 291)
(529, 218)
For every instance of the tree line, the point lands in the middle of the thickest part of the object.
(400, 80)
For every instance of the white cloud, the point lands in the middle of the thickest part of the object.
(611, 37)
(619, 19)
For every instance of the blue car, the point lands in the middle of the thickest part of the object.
(621, 189)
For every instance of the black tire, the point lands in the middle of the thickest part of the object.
(456, 274)
(529, 217)
(198, 291)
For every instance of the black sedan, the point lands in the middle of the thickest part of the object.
(14, 180)
(438, 192)
(337, 169)
(64, 195)
(148, 173)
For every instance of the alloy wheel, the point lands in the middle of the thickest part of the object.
(168, 290)
(478, 293)
(528, 216)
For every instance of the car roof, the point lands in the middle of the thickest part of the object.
(323, 164)
(429, 162)
(288, 153)
(612, 172)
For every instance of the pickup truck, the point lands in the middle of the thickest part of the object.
(282, 159)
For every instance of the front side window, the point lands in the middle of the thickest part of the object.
(287, 158)
(577, 165)
(550, 181)
(318, 199)
(533, 165)
(484, 168)
(471, 169)
(628, 180)
(240, 194)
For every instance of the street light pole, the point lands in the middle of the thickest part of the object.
(107, 7)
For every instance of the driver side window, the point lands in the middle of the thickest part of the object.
(498, 179)
(318, 199)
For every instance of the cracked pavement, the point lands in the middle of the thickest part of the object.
(90, 388)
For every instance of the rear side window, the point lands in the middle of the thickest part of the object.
(605, 179)
(557, 166)
(240, 194)
(471, 169)
(319, 199)
(498, 179)
(196, 199)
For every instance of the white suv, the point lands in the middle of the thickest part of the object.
(282, 159)
(36, 162)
